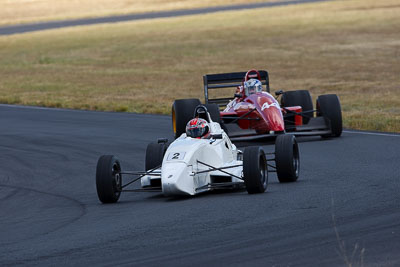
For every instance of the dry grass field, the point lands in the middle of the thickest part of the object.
(22, 11)
(351, 48)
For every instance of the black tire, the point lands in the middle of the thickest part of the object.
(298, 98)
(287, 158)
(182, 112)
(329, 107)
(215, 114)
(255, 171)
(154, 155)
(108, 179)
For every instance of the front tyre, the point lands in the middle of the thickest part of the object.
(287, 159)
(108, 179)
(255, 171)
(154, 155)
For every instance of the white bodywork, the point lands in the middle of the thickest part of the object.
(180, 166)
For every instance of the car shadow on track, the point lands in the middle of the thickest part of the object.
(157, 197)
(215, 194)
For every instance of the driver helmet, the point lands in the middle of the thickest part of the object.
(197, 128)
(252, 86)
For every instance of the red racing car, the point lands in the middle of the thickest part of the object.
(254, 113)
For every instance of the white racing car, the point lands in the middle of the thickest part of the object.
(189, 166)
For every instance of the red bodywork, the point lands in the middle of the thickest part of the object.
(267, 116)
(260, 112)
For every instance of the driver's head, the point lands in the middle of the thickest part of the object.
(197, 128)
(252, 86)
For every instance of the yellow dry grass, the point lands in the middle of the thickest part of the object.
(351, 48)
(22, 11)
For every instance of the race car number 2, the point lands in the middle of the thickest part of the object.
(176, 156)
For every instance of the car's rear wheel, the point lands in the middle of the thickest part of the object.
(155, 154)
(287, 158)
(108, 179)
(215, 114)
(299, 98)
(255, 173)
(182, 112)
(329, 107)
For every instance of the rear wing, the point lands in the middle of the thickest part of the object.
(226, 80)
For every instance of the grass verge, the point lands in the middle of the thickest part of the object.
(351, 48)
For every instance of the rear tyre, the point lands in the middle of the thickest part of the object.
(287, 158)
(108, 179)
(329, 107)
(155, 154)
(215, 114)
(255, 171)
(299, 98)
(182, 112)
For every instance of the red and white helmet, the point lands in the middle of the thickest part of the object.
(197, 128)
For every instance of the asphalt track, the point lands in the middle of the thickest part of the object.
(346, 202)
(23, 28)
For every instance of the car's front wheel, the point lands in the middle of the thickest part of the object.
(108, 179)
(155, 154)
(287, 158)
(255, 173)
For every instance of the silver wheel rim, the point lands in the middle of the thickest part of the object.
(296, 160)
(262, 173)
(117, 179)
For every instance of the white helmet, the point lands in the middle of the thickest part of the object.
(252, 86)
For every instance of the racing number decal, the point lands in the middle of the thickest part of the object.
(176, 156)
(266, 105)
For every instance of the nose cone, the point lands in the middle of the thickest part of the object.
(176, 179)
(271, 112)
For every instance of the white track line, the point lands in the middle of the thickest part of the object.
(369, 133)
